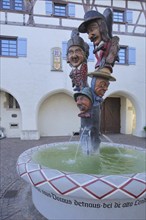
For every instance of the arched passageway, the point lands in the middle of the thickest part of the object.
(10, 115)
(118, 115)
(58, 116)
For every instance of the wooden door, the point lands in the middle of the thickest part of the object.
(110, 116)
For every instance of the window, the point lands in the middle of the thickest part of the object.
(120, 16)
(122, 55)
(127, 55)
(58, 9)
(13, 46)
(12, 102)
(18, 5)
(8, 47)
(5, 4)
(12, 5)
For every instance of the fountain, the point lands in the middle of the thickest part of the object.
(88, 179)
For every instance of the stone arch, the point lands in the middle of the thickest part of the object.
(11, 116)
(48, 94)
(129, 102)
(57, 114)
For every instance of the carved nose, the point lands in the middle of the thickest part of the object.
(90, 35)
(74, 54)
(78, 102)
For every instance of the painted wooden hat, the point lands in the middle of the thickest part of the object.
(85, 91)
(76, 40)
(89, 16)
(102, 73)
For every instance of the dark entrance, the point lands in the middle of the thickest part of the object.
(110, 116)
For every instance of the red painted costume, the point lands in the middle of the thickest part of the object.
(79, 77)
(77, 55)
(107, 53)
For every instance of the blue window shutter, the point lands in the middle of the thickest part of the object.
(64, 49)
(22, 47)
(71, 10)
(131, 55)
(129, 16)
(49, 8)
(91, 55)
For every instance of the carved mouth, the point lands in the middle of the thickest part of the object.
(75, 60)
(81, 107)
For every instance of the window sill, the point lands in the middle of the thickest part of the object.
(8, 56)
(56, 70)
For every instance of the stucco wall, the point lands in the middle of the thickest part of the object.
(29, 79)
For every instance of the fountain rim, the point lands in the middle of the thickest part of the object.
(42, 147)
(45, 179)
(55, 144)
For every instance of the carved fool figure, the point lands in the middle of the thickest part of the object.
(77, 54)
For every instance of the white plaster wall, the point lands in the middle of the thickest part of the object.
(123, 115)
(58, 116)
(130, 117)
(30, 78)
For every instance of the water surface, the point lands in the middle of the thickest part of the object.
(110, 160)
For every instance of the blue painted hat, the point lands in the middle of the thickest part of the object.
(85, 91)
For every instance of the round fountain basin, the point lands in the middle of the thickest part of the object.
(59, 193)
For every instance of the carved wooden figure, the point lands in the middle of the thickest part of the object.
(77, 54)
(99, 29)
(89, 99)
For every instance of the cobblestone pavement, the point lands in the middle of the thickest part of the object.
(15, 194)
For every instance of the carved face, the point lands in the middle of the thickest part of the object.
(83, 103)
(94, 33)
(101, 86)
(75, 56)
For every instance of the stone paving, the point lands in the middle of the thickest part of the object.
(15, 193)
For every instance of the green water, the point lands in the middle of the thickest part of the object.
(110, 160)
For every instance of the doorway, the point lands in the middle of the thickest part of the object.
(110, 115)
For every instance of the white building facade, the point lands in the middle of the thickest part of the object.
(36, 94)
